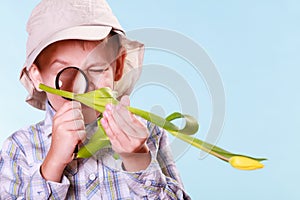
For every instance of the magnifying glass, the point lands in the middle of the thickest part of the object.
(72, 79)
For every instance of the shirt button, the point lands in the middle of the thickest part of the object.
(92, 176)
(41, 194)
(147, 183)
(179, 193)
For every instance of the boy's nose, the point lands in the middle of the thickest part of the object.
(91, 86)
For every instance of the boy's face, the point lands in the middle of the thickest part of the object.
(97, 61)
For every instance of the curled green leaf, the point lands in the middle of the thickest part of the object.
(98, 141)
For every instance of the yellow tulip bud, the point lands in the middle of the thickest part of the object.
(244, 163)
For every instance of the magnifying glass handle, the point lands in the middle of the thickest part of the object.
(75, 152)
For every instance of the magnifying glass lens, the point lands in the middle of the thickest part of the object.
(72, 79)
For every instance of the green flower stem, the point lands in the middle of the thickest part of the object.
(199, 144)
(99, 98)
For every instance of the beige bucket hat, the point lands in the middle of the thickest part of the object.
(56, 20)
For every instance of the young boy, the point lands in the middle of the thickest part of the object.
(38, 162)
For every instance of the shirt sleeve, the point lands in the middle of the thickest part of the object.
(161, 179)
(18, 180)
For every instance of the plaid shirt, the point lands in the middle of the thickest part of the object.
(98, 177)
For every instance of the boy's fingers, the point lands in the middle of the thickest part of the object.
(81, 135)
(110, 134)
(69, 105)
(125, 101)
(69, 116)
(69, 111)
(139, 129)
(124, 125)
(78, 125)
(116, 130)
(127, 121)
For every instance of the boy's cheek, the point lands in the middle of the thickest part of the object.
(56, 101)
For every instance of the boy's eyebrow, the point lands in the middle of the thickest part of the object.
(97, 63)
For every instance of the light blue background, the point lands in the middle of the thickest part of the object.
(255, 46)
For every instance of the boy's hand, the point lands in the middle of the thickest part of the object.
(127, 135)
(67, 131)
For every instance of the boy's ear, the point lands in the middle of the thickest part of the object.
(120, 62)
(35, 76)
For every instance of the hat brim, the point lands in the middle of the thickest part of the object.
(76, 33)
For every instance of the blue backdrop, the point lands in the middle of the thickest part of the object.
(254, 45)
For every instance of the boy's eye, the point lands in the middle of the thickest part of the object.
(98, 69)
